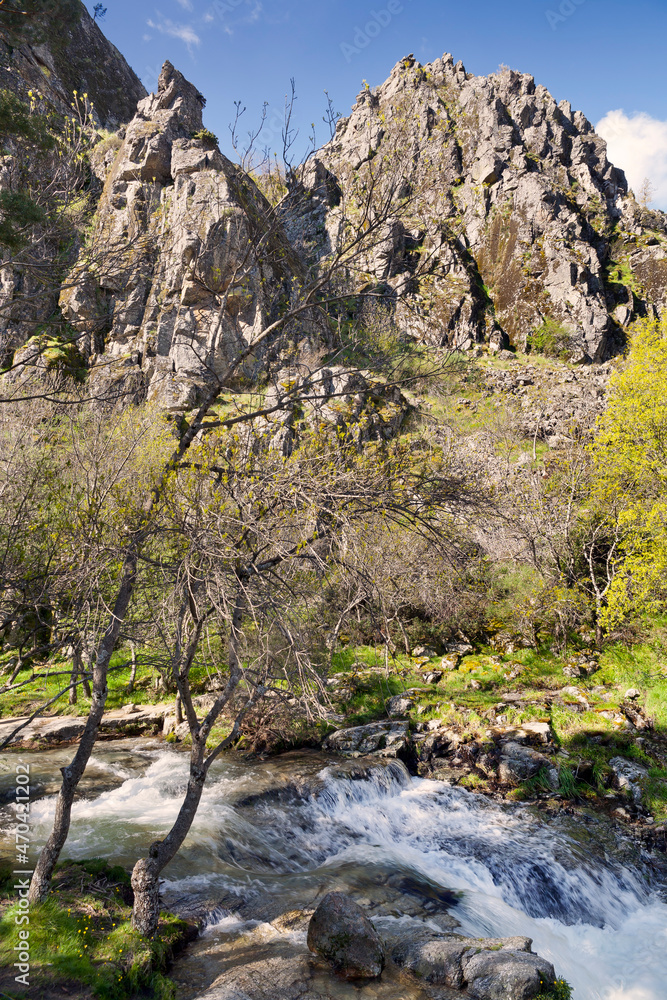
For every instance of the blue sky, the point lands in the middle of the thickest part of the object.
(602, 55)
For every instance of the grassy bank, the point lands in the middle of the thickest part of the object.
(82, 941)
(591, 717)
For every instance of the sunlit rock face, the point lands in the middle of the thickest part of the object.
(179, 287)
(502, 218)
(511, 196)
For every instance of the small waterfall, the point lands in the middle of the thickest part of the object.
(282, 830)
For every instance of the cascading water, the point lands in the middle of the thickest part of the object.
(269, 834)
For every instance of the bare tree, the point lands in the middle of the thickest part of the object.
(264, 531)
(646, 193)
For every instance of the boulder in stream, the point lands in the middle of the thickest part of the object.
(487, 968)
(506, 974)
(340, 932)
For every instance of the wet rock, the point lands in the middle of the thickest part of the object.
(435, 745)
(437, 960)
(490, 968)
(361, 740)
(506, 975)
(519, 763)
(628, 776)
(340, 932)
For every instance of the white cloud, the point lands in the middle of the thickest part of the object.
(186, 4)
(255, 13)
(185, 32)
(638, 144)
(208, 18)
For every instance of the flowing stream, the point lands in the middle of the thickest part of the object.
(270, 836)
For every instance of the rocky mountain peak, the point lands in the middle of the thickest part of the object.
(176, 100)
(514, 198)
(527, 229)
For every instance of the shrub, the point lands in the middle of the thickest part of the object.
(206, 136)
(551, 339)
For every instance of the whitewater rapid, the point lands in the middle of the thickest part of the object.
(601, 921)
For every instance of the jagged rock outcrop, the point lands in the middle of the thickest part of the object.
(53, 57)
(506, 215)
(180, 288)
(512, 199)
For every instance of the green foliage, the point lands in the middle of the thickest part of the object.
(567, 784)
(559, 990)
(552, 339)
(630, 462)
(18, 213)
(60, 353)
(204, 135)
(19, 120)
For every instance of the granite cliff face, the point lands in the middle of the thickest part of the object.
(68, 57)
(506, 219)
(53, 58)
(183, 222)
(513, 200)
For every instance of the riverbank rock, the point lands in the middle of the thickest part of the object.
(487, 968)
(519, 763)
(506, 974)
(341, 933)
(399, 705)
(391, 738)
(628, 777)
(132, 720)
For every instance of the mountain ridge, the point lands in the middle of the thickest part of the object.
(517, 228)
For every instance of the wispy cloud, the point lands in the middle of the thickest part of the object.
(231, 13)
(186, 4)
(255, 13)
(185, 32)
(638, 144)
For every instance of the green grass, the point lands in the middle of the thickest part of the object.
(54, 676)
(559, 990)
(465, 697)
(82, 935)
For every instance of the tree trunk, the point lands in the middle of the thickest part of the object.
(133, 675)
(146, 872)
(77, 670)
(89, 669)
(41, 880)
